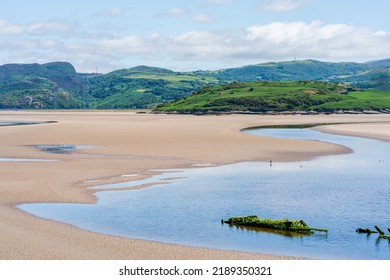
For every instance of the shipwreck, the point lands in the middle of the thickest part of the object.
(298, 226)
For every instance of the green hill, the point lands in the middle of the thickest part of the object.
(262, 97)
(143, 87)
(33, 86)
(370, 75)
(383, 63)
(146, 87)
(293, 71)
(57, 85)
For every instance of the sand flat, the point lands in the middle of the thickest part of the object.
(130, 143)
(379, 131)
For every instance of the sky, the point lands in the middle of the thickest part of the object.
(191, 35)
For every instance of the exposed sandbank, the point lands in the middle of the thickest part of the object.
(132, 144)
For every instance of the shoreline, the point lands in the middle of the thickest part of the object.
(154, 142)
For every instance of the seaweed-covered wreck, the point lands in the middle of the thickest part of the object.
(283, 224)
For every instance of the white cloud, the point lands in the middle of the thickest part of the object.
(218, 1)
(52, 41)
(7, 28)
(176, 12)
(201, 18)
(283, 5)
(203, 45)
(283, 40)
(38, 29)
(114, 12)
(126, 45)
(46, 28)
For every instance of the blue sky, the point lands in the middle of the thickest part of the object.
(191, 34)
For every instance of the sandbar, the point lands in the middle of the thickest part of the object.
(129, 143)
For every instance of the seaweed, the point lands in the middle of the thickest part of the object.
(282, 224)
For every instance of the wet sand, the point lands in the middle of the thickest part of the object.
(133, 144)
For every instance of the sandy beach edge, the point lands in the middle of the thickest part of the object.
(26, 237)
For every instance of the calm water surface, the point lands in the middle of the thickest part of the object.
(340, 193)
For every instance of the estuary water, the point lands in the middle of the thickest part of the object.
(340, 193)
(16, 123)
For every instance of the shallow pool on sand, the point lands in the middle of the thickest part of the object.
(340, 193)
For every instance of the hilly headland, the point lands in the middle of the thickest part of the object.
(281, 97)
(58, 85)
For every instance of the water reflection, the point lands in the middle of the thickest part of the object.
(62, 149)
(290, 234)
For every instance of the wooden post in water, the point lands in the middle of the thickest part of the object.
(365, 230)
(379, 230)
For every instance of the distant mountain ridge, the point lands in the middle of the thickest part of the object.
(292, 71)
(379, 63)
(57, 85)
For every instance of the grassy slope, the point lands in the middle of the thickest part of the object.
(143, 87)
(279, 97)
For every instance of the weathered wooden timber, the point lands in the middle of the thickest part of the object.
(369, 231)
(382, 233)
(283, 224)
(365, 230)
(384, 237)
(379, 230)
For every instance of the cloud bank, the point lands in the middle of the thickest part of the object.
(48, 41)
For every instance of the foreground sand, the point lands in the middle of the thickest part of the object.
(130, 143)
